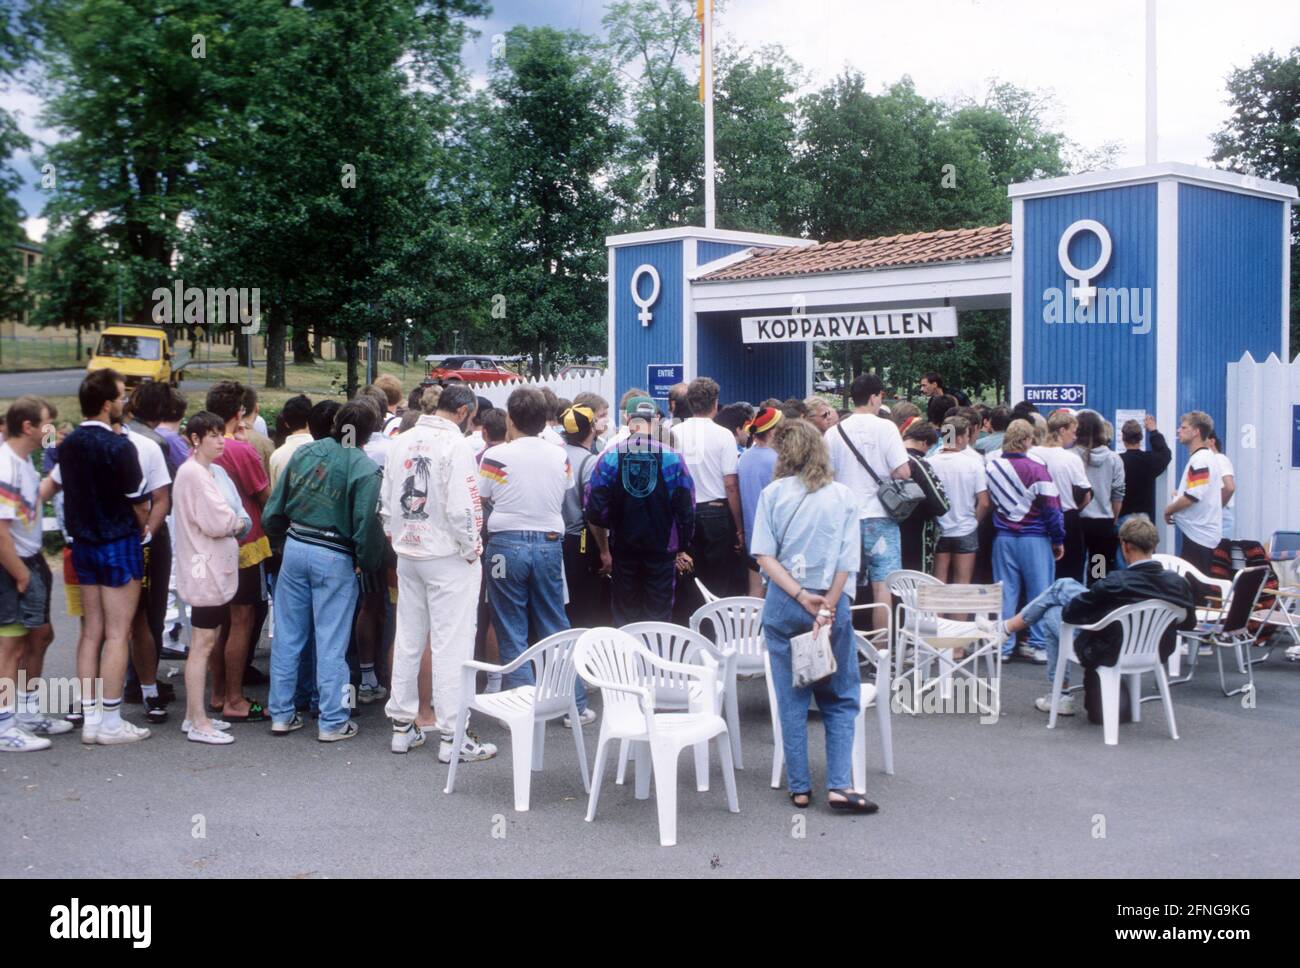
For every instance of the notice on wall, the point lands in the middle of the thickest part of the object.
(1124, 416)
(831, 327)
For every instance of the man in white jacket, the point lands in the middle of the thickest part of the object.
(430, 507)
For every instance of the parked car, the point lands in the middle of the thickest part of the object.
(580, 369)
(468, 369)
(141, 353)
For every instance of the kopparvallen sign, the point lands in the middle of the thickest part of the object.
(895, 324)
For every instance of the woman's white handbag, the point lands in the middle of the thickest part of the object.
(811, 658)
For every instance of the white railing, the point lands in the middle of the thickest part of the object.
(1263, 398)
(564, 387)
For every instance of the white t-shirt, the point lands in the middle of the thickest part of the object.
(152, 464)
(709, 450)
(260, 425)
(1225, 470)
(963, 479)
(19, 503)
(1067, 472)
(881, 446)
(1202, 481)
(552, 436)
(525, 480)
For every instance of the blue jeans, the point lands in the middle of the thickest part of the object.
(882, 548)
(305, 694)
(1023, 562)
(526, 588)
(1044, 612)
(316, 595)
(838, 697)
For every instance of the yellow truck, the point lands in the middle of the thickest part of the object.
(141, 353)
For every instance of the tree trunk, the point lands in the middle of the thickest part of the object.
(352, 368)
(399, 349)
(78, 342)
(241, 342)
(275, 349)
(317, 343)
(302, 353)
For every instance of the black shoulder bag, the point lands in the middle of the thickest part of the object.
(898, 498)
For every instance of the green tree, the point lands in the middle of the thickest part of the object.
(14, 50)
(126, 85)
(316, 183)
(1262, 137)
(73, 283)
(548, 133)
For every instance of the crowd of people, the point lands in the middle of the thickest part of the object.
(398, 536)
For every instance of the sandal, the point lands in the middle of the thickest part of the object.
(852, 802)
(256, 714)
(807, 799)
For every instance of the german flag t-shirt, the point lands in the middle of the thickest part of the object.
(525, 480)
(1203, 483)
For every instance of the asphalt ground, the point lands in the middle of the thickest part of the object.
(1008, 799)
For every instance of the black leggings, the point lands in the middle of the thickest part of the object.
(1099, 540)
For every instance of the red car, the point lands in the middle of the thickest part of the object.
(470, 369)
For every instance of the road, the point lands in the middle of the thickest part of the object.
(57, 383)
(969, 800)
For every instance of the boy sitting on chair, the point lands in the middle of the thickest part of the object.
(1067, 600)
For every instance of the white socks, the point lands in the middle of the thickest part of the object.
(368, 677)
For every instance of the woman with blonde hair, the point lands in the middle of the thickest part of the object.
(806, 541)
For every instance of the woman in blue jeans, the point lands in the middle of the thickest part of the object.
(806, 543)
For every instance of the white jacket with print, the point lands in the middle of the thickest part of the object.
(429, 501)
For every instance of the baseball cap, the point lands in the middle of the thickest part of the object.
(641, 407)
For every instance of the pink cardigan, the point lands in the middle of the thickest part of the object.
(207, 554)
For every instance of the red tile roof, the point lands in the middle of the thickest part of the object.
(891, 251)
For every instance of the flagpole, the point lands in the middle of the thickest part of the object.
(710, 205)
(1152, 152)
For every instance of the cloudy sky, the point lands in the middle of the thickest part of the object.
(1088, 53)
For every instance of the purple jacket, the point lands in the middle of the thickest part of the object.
(1025, 501)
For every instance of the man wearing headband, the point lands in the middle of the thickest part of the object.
(642, 492)
(756, 467)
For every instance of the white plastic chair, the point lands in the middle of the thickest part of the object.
(874, 695)
(625, 671)
(708, 595)
(902, 585)
(673, 692)
(1141, 626)
(926, 627)
(737, 625)
(525, 710)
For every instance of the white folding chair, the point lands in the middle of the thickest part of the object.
(1141, 626)
(1284, 614)
(525, 710)
(708, 595)
(737, 627)
(925, 627)
(1230, 628)
(625, 671)
(673, 692)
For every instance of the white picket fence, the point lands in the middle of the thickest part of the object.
(566, 388)
(1262, 419)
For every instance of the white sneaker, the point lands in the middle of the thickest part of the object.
(1293, 653)
(493, 685)
(471, 752)
(214, 736)
(39, 725)
(1034, 655)
(368, 694)
(220, 724)
(17, 740)
(126, 732)
(586, 717)
(89, 731)
(1063, 708)
(407, 738)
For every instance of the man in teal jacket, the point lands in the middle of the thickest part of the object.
(325, 506)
